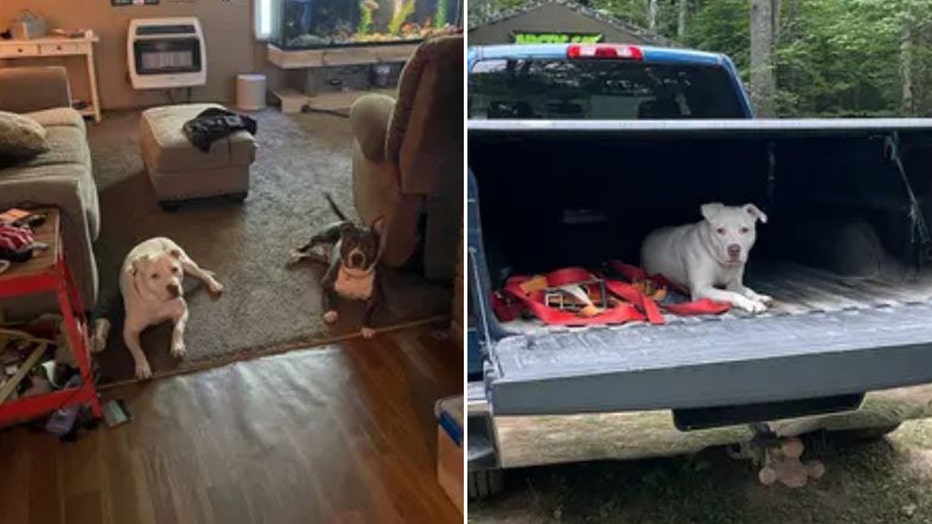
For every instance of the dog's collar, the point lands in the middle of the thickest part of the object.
(358, 274)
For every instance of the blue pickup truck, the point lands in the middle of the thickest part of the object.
(576, 152)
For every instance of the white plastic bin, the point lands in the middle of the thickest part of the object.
(250, 92)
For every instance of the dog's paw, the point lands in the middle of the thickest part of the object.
(294, 256)
(143, 371)
(331, 316)
(178, 349)
(98, 340)
(757, 297)
(751, 306)
(367, 332)
(766, 300)
(215, 287)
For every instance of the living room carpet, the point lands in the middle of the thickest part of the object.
(266, 306)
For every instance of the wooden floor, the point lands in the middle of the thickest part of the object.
(336, 434)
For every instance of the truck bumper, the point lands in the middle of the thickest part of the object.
(521, 441)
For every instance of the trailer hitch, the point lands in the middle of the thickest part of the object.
(778, 458)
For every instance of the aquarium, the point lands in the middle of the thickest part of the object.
(312, 24)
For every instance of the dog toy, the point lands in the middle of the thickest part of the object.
(782, 464)
(16, 244)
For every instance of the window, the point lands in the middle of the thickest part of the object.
(263, 19)
(597, 90)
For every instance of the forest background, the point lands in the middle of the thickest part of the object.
(798, 58)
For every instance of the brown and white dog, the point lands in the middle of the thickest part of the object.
(151, 283)
(352, 253)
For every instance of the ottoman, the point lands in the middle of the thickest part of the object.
(179, 171)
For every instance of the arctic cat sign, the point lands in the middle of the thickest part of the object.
(524, 37)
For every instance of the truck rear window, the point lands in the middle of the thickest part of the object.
(600, 90)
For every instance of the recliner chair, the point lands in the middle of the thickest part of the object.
(408, 159)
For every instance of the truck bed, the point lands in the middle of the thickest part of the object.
(798, 290)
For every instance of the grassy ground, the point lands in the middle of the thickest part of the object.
(887, 481)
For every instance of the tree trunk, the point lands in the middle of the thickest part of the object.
(681, 19)
(762, 84)
(652, 9)
(906, 69)
(775, 15)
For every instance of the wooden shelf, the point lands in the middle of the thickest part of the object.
(293, 101)
(371, 54)
(56, 47)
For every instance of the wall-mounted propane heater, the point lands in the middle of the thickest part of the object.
(166, 53)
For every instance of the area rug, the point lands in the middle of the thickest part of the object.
(267, 306)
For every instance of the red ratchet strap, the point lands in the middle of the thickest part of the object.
(640, 308)
(703, 306)
(636, 305)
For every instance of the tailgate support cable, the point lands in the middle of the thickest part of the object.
(482, 307)
(919, 230)
(771, 174)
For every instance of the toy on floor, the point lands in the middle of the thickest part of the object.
(782, 464)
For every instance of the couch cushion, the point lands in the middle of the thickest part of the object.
(166, 149)
(70, 188)
(21, 136)
(60, 116)
(67, 145)
(69, 160)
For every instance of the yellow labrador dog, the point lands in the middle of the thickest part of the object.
(151, 283)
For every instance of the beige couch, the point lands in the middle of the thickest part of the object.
(408, 158)
(61, 177)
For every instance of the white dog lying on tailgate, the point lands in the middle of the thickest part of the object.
(151, 281)
(709, 254)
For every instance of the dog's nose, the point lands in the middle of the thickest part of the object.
(174, 290)
(734, 250)
(356, 259)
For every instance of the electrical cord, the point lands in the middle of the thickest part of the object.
(332, 112)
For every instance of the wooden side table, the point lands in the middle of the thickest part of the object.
(59, 47)
(47, 272)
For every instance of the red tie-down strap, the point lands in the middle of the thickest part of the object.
(633, 305)
(702, 306)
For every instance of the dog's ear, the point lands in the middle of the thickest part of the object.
(175, 252)
(711, 210)
(133, 268)
(378, 231)
(754, 211)
(378, 226)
